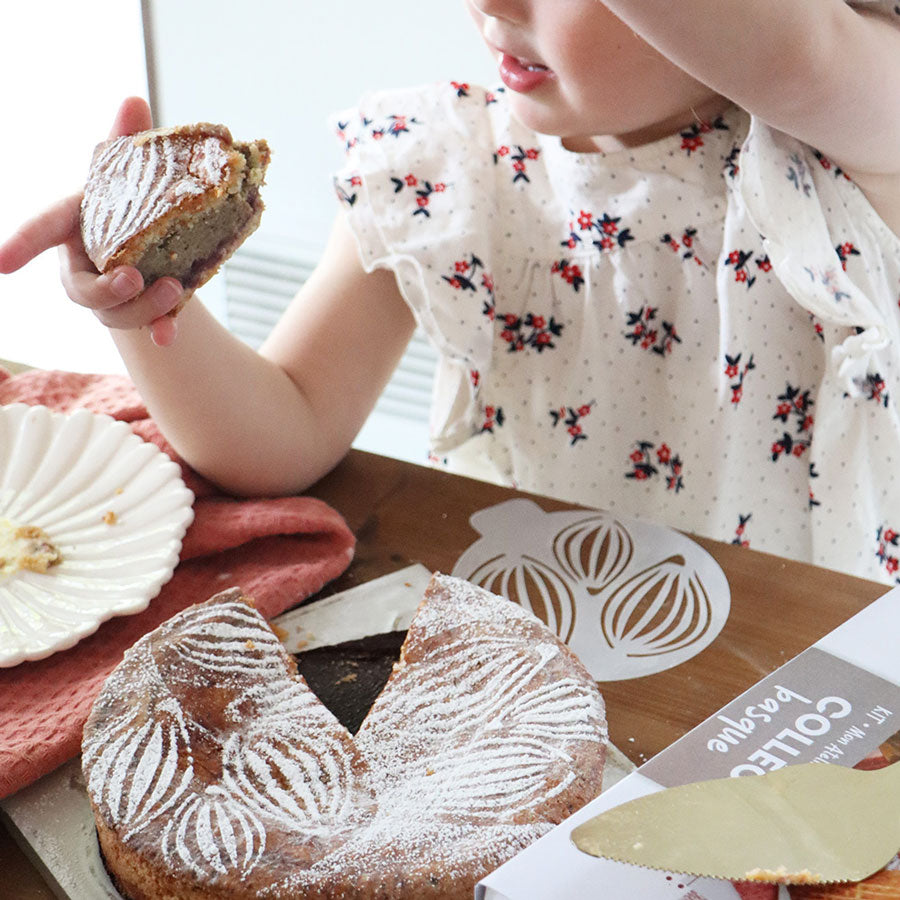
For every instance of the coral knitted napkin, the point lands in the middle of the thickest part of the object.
(277, 551)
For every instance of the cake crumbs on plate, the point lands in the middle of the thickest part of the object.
(26, 548)
(110, 518)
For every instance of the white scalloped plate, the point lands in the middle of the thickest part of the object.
(115, 507)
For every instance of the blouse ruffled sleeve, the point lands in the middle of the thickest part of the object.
(812, 220)
(416, 188)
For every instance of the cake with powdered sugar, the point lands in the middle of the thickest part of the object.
(173, 201)
(214, 771)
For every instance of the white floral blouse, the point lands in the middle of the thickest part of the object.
(702, 332)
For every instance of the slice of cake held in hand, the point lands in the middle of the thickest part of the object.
(172, 202)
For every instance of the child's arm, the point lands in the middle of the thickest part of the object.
(274, 422)
(255, 423)
(817, 69)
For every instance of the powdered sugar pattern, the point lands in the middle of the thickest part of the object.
(206, 751)
(134, 188)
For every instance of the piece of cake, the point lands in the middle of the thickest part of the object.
(174, 201)
(214, 771)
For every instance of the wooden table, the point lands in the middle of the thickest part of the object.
(403, 514)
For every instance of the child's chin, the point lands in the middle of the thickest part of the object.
(543, 118)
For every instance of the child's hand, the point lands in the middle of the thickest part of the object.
(118, 298)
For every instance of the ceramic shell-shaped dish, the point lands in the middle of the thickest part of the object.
(112, 504)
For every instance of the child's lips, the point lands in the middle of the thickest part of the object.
(522, 75)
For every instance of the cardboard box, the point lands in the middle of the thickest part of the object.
(836, 703)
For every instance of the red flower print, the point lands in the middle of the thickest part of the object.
(609, 232)
(644, 468)
(733, 370)
(691, 143)
(356, 180)
(518, 158)
(887, 538)
(739, 259)
(583, 410)
(641, 335)
(440, 187)
(533, 331)
(569, 272)
(796, 404)
(475, 376)
(463, 275)
(423, 192)
(872, 387)
(574, 430)
(493, 418)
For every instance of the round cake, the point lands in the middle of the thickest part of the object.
(213, 770)
(176, 201)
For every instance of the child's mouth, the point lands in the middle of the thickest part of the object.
(522, 75)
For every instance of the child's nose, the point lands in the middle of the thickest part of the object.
(511, 10)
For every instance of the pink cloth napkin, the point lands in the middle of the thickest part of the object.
(277, 551)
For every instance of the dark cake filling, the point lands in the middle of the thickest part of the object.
(348, 677)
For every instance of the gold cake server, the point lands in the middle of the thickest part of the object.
(808, 823)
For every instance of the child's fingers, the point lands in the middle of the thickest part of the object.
(159, 299)
(163, 331)
(87, 287)
(54, 226)
(133, 116)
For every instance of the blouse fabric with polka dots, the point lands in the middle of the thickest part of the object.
(701, 332)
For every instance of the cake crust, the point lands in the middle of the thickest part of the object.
(213, 771)
(172, 201)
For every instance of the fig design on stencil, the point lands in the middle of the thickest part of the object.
(629, 597)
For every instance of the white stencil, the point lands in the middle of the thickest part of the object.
(628, 597)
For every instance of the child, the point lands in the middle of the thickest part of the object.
(649, 292)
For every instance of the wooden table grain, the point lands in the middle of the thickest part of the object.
(403, 514)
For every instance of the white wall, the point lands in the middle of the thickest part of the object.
(64, 67)
(281, 67)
